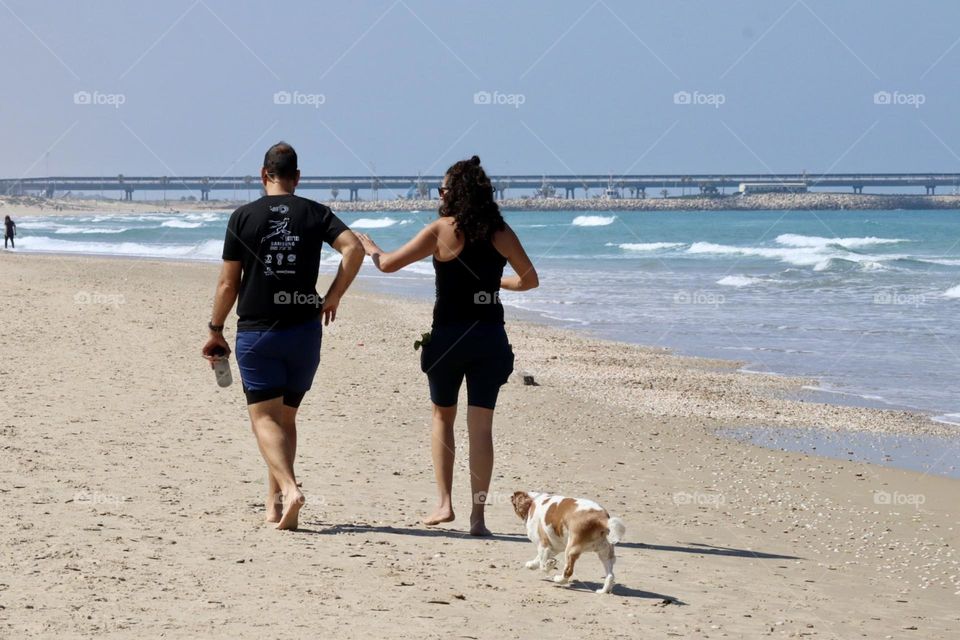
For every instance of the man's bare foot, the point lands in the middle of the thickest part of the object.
(292, 503)
(479, 529)
(439, 516)
(274, 507)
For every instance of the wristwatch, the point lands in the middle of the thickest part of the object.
(216, 328)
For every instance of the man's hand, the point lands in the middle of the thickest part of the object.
(348, 246)
(214, 342)
(330, 303)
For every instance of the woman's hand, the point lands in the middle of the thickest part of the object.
(369, 246)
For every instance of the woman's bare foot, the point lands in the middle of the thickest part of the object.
(274, 507)
(442, 514)
(292, 503)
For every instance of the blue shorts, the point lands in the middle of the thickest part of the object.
(481, 353)
(279, 363)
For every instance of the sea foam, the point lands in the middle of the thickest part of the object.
(646, 246)
(62, 231)
(373, 223)
(206, 250)
(180, 224)
(822, 257)
(797, 240)
(593, 221)
(952, 292)
(738, 281)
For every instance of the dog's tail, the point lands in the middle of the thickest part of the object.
(617, 529)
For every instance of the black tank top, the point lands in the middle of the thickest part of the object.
(468, 286)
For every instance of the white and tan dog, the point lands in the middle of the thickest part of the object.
(572, 525)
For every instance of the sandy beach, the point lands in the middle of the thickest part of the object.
(31, 206)
(132, 488)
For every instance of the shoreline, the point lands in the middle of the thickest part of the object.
(812, 201)
(787, 388)
(793, 389)
(134, 489)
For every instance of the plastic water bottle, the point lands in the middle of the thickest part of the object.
(221, 368)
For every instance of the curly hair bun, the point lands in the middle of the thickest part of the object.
(475, 160)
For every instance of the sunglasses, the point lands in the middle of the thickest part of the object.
(443, 191)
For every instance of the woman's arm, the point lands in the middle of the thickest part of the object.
(419, 247)
(508, 244)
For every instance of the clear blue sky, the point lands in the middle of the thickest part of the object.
(398, 83)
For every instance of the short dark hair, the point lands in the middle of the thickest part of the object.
(280, 161)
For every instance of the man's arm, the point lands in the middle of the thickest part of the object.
(349, 247)
(228, 286)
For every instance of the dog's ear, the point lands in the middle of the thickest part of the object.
(522, 503)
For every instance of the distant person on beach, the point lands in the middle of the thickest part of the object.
(9, 232)
(271, 258)
(470, 244)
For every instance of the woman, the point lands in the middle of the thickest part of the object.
(470, 244)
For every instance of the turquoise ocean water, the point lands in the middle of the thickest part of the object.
(864, 301)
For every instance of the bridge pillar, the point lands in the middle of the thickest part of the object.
(49, 192)
(128, 194)
(858, 188)
(931, 189)
(354, 194)
(643, 192)
(204, 195)
(501, 194)
(570, 192)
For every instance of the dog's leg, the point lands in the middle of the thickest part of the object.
(607, 557)
(538, 561)
(573, 553)
(550, 561)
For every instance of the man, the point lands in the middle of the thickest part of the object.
(9, 231)
(271, 258)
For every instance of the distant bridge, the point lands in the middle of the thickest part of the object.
(423, 186)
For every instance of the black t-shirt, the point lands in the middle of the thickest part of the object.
(278, 240)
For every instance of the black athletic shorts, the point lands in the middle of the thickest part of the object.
(481, 353)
